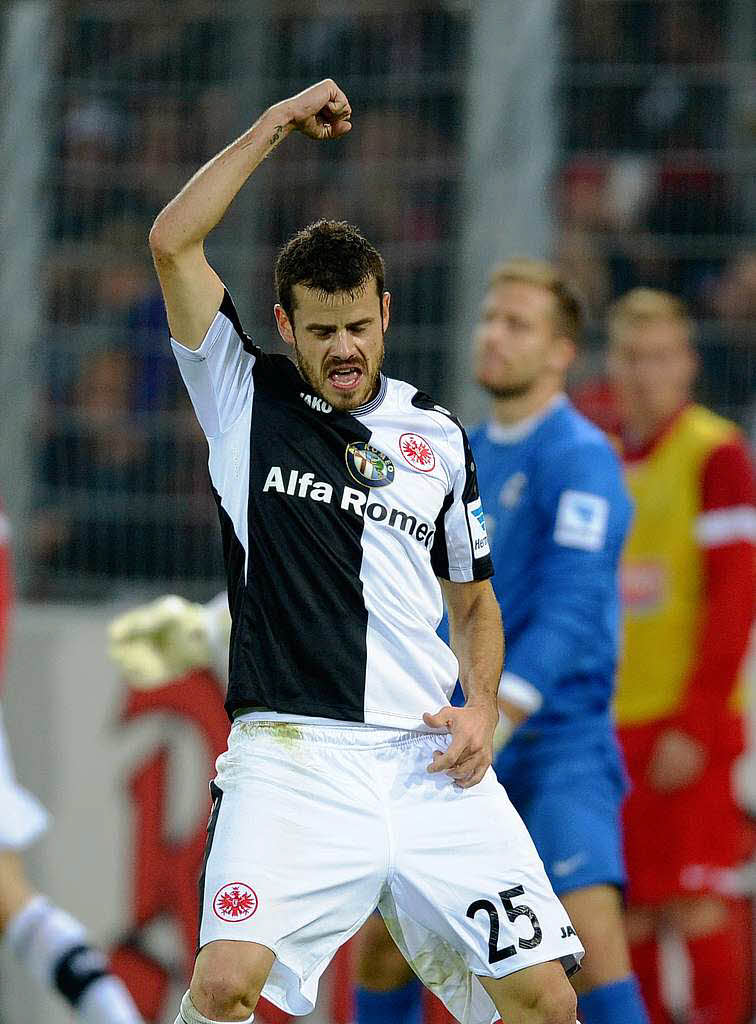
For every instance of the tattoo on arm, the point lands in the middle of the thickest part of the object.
(276, 136)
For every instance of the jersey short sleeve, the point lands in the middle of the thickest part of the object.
(460, 551)
(218, 375)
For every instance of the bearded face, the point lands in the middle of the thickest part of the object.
(338, 342)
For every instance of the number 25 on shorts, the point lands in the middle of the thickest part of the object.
(521, 910)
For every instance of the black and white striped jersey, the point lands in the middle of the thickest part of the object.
(335, 526)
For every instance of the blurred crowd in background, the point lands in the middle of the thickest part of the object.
(651, 188)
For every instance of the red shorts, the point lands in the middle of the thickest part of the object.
(683, 842)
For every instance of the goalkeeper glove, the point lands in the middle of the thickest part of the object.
(160, 641)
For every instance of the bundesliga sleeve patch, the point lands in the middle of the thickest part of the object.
(581, 520)
(477, 522)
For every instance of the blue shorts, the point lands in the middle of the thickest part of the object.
(571, 805)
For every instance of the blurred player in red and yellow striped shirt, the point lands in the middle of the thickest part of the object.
(688, 585)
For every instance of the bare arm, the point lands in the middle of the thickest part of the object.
(476, 637)
(191, 288)
(477, 640)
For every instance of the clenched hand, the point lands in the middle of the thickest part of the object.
(321, 111)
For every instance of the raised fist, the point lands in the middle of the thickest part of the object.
(321, 111)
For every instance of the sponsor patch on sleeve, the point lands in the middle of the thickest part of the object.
(581, 520)
(477, 522)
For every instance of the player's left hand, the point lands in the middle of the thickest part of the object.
(469, 754)
(677, 760)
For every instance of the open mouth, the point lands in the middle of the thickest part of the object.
(345, 378)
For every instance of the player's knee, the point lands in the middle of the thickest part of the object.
(223, 994)
(538, 995)
(228, 981)
(557, 1005)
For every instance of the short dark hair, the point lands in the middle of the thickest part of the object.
(329, 256)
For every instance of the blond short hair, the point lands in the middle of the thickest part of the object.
(643, 306)
(569, 316)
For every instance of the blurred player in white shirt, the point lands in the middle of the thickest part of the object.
(50, 944)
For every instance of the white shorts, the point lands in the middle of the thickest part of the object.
(313, 827)
(22, 816)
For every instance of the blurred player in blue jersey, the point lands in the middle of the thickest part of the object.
(553, 489)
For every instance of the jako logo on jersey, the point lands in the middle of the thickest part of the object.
(318, 404)
(417, 452)
(304, 485)
(236, 901)
(477, 523)
(368, 465)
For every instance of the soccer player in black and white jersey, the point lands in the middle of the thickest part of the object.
(349, 781)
